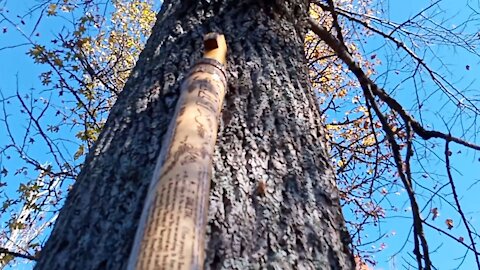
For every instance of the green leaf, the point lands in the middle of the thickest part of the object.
(79, 152)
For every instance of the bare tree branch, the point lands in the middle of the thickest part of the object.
(457, 202)
(367, 83)
(17, 254)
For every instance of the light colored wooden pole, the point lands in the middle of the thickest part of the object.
(171, 231)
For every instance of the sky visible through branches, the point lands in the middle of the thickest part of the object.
(463, 71)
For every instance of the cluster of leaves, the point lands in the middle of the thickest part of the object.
(86, 63)
(358, 152)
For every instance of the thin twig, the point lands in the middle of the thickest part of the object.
(17, 254)
(457, 202)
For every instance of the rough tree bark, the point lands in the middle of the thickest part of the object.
(273, 201)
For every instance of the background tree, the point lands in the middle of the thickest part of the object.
(363, 158)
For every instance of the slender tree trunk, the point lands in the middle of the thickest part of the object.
(273, 201)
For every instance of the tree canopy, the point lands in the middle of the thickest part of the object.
(394, 85)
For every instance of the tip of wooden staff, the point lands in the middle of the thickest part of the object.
(210, 41)
(215, 47)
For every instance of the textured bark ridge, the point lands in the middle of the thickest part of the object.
(273, 201)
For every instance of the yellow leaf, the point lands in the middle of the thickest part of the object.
(369, 141)
(58, 62)
(342, 93)
(52, 10)
(449, 223)
(79, 152)
(332, 127)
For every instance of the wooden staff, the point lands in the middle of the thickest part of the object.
(171, 231)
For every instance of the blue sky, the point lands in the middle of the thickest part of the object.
(435, 115)
(16, 64)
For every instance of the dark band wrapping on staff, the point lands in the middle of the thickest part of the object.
(211, 66)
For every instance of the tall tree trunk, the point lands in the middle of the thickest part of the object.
(273, 201)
